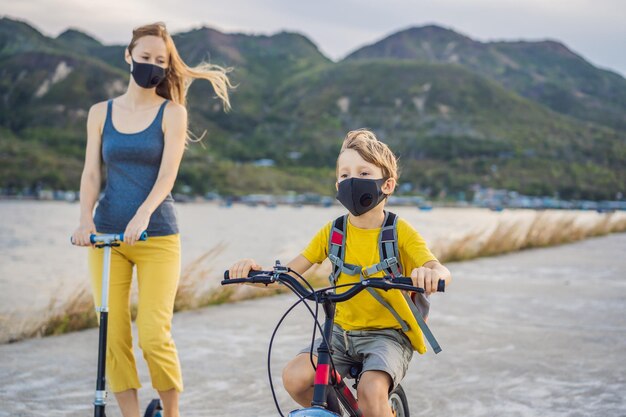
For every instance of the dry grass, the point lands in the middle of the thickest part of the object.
(197, 287)
(544, 229)
(192, 291)
(75, 313)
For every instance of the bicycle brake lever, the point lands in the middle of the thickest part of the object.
(280, 269)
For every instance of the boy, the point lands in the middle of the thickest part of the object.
(365, 330)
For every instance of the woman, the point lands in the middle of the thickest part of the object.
(141, 138)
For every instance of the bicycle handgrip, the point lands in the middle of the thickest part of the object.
(441, 285)
(250, 274)
(254, 277)
(235, 281)
(402, 280)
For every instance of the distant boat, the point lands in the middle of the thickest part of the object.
(426, 208)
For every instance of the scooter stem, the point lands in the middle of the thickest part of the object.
(100, 396)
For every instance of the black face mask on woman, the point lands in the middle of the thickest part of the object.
(360, 195)
(147, 75)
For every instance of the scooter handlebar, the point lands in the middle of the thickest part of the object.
(110, 238)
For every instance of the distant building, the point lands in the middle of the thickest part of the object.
(265, 162)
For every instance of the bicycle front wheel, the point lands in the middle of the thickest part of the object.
(398, 402)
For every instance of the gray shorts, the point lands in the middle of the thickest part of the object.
(387, 350)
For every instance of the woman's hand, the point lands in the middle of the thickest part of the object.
(82, 234)
(241, 268)
(137, 225)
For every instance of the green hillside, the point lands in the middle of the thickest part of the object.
(451, 125)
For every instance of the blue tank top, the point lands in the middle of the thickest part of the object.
(132, 162)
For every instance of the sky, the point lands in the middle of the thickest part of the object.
(595, 29)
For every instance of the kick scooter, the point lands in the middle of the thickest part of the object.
(106, 242)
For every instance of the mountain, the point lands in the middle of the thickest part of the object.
(261, 64)
(17, 36)
(78, 40)
(451, 125)
(544, 71)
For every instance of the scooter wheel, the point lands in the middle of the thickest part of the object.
(153, 409)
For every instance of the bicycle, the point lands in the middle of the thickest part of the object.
(107, 241)
(328, 384)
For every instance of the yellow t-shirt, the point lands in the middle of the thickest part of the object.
(363, 311)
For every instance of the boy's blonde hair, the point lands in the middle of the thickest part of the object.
(372, 150)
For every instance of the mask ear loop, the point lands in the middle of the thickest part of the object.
(381, 188)
(130, 54)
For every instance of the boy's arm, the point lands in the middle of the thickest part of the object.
(300, 264)
(413, 247)
(240, 269)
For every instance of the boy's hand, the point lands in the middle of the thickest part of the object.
(426, 278)
(241, 268)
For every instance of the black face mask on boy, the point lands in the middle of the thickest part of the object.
(147, 75)
(360, 195)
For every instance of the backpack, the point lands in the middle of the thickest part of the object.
(389, 263)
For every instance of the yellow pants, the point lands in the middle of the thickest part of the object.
(158, 271)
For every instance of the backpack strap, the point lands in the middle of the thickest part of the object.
(388, 244)
(387, 248)
(422, 324)
(390, 263)
(337, 250)
(394, 313)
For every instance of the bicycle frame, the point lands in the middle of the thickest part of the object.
(326, 377)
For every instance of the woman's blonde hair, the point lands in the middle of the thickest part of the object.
(372, 150)
(179, 76)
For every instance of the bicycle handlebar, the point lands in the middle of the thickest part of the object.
(269, 277)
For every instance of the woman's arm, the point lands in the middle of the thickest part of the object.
(91, 177)
(175, 134)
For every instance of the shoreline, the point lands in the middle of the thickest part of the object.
(273, 201)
